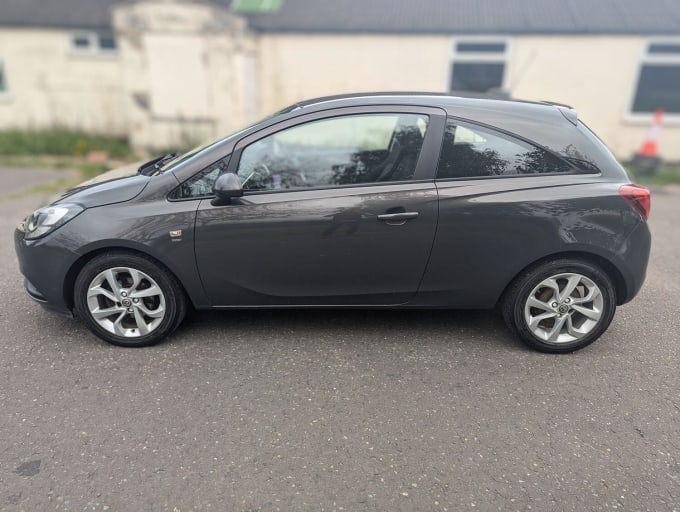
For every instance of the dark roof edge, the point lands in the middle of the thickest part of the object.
(45, 26)
(490, 32)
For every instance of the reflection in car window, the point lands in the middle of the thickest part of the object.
(343, 150)
(473, 151)
(201, 184)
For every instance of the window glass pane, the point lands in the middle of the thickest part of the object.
(107, 42)
(339, 151)
(472, 152)
(3, 80)
(481, 47)
(201, 185)
(81, 41)
(658, 87)
(664, 48)
(477, 76)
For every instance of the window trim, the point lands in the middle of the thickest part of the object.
(479, 57)
(644, 58)
(94, 47)
(574, 171)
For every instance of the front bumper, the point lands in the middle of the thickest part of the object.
(34, 294)
(45, 267)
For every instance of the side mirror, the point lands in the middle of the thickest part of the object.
(227, 186)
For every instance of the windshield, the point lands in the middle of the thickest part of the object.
(181, 158)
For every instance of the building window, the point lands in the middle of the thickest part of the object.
(3, 79)
(93, 42)
(478, 65)
(658, 85)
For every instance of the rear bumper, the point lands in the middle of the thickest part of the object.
(635, 258)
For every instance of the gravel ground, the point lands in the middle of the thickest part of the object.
(324, 410)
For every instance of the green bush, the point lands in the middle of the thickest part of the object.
(59, 142)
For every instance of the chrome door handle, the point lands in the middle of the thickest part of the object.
(397, 219)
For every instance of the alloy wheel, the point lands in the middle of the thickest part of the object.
(126, 302)
(563, 308)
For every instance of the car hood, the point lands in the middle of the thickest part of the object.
(115, 186)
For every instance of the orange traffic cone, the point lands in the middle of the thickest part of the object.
(647, 159)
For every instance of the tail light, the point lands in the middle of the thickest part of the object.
(638, 197)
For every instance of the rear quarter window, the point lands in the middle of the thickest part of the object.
(470, 151)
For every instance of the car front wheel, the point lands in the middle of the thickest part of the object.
(560, 306)
(128, 299)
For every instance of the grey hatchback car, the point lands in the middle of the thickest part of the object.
(365, 201)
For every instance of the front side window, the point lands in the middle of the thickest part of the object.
(347, 150)
(658, 85)
(477, 66)
(471, 151)
(201, 184)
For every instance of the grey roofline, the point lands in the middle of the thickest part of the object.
(335, 31)
(62, 26)
(403, 17)
(487, 32)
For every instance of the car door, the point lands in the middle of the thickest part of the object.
(339, 208)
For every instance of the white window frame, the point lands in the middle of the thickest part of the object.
(482, 57)
(93, 47)
(652, 58)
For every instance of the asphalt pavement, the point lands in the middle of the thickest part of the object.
(339, 410)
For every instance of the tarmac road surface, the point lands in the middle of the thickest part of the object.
(339, 410)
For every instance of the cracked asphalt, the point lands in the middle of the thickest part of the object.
(328, 410)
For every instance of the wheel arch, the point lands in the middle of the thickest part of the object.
(609, 268)
(79, 264)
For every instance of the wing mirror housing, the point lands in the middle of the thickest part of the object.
(227, 186)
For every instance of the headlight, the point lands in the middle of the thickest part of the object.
(47, 219)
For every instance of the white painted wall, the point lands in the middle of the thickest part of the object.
(296, 67)
(51, 85)
(185, 61)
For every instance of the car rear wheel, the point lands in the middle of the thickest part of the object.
(128, 299)
(560, 306)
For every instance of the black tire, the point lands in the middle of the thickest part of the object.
(518, 293)
(171, 300)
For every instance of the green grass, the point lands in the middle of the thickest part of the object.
(60, 142)
(666, 175)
